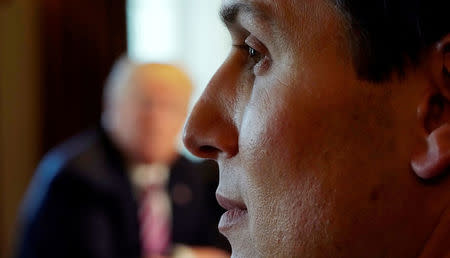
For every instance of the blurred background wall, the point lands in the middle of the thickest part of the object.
(20, 113)
(80, 40)
(55, 56)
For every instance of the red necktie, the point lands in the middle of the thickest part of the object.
(155, 225)
(154, 216)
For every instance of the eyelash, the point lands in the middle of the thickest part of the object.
(252, 55)
(260, 60)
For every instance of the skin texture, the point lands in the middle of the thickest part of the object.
(320, 159)
(147, 114)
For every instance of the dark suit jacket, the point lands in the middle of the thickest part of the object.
(80, 204)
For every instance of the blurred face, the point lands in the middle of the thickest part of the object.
(313, 162)
(151, 113)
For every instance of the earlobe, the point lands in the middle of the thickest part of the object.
(432, 156)
(434, 159)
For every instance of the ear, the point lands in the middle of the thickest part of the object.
(432, 158)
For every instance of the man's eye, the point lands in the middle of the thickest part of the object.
(252, 52)
(258, 59)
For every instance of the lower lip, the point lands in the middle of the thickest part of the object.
(231, 218)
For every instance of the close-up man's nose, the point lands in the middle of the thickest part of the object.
(208, 135)
(209, 131)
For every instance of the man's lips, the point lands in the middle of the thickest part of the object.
(236, 212)
(228, 204)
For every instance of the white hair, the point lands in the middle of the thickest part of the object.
(116, 82)
(118, 79)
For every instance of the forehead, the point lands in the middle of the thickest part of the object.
(269, 10)
(151, 81)
(255, 12)
(279, 17)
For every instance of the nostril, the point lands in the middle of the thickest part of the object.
(208, 150)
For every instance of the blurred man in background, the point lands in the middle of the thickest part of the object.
(122, 190)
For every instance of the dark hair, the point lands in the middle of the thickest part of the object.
(386, 35)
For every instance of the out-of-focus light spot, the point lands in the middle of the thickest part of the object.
(153, 30)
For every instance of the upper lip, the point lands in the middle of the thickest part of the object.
(229, 204)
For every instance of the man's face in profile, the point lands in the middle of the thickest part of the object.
(314, 162)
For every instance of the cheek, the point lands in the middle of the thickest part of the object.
(272, 142)
(305, 153)
(127, 124)
(284, 128)
(164, 129)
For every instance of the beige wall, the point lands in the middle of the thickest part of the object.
(19, 109)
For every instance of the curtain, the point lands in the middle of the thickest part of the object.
(80, 40)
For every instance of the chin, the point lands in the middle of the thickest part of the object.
(242, 244)
(163, 159)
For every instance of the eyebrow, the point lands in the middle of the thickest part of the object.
(229, 13)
